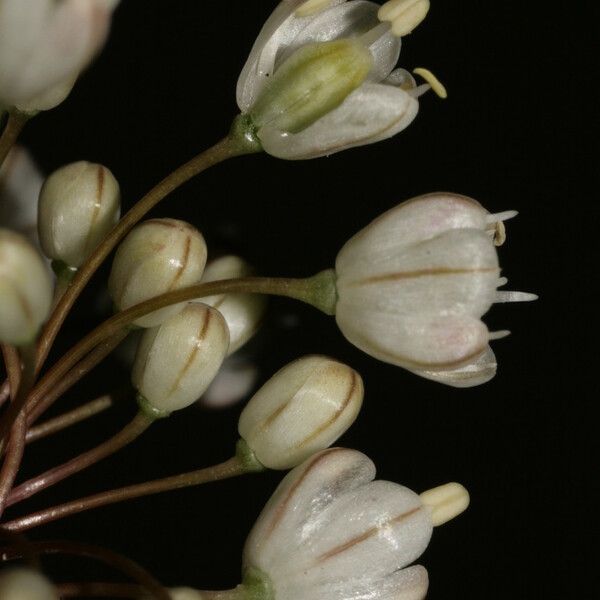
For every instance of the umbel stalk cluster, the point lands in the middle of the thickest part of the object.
(409, 289)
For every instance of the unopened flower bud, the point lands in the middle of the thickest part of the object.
(312, 82)
(176, 362)
(79, 204)
(242, 312)
(445, 502)
(25, 584)
(25, 289)
(302, 409)
(158, 256)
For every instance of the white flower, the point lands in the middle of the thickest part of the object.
(78, 205)
(305, 407)
(157, 256)
(330, 532)
(414, 284)
(318, 105)
(44, 46)
(176, 362)
(25, 289)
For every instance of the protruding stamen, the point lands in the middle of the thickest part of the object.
(502, 281)
(498, 335)
(436, 85)
(515, 297)
(370, 37)
(310, 7)
(445, 502)
(404, 15)
(501, 216)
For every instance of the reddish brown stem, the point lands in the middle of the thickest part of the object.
(230, 468)
(68, 419)
(130, 432)
(12, 460)
(39, 405)
(14, 125)
(121, 563)
(12, 363)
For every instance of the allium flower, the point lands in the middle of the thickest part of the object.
(44, 46)
(320, 76)
(330, 532)
(414, 284)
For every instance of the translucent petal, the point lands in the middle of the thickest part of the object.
(372, 113)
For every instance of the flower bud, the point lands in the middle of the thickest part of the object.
(312, 82)
(176, 362)
(242, 312)
(25, 289)
(158, 256)
(78, 206)
(25, 584)
(302, 409)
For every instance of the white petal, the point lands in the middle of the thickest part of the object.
(371, 113)
(480, 371)
(455, 272)
(415, 220)
(277, 33)
(407, 584)
(423, 342)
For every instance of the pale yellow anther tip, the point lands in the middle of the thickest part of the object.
(404, 15)
(436, 85)
(445, 502)
(310, 7)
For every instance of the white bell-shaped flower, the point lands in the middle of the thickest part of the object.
(330, 532)
(44, 46)
(156, 257)
(21, 583)
(305, 407)
(414, 284)
(242, 312)
(320, 77)
(79, 204)
(25, 289)
(176, 362)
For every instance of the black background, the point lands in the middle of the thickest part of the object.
(513, 135)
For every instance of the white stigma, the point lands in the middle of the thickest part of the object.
(498, 335)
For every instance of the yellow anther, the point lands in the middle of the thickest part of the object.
(445, 502)
(436, 85)
(404, 15)
(310, 7)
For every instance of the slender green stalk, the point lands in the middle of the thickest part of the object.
(14, 125)
(121, 563)
(130, 432)
(237, 143)
(68, 419)
(40, 404)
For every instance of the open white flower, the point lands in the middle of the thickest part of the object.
(44, 46)
(414, 284)
(320, 76)
(330, 532)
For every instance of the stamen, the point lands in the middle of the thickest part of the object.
(404, 15)
(370, 37)
(436, 85)
(310, 7)
(418, 91)
(498, 335)
(502, 281)
(501, 216)
(515, 297)
(445, 502)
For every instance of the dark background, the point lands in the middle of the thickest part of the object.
(513, 135)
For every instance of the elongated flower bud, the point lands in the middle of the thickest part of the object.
(25, 584)
(79, 204)
(25, 289)
(302, 409)
(316, 79)
(176, 362)
(242, 312)
(158, 256)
